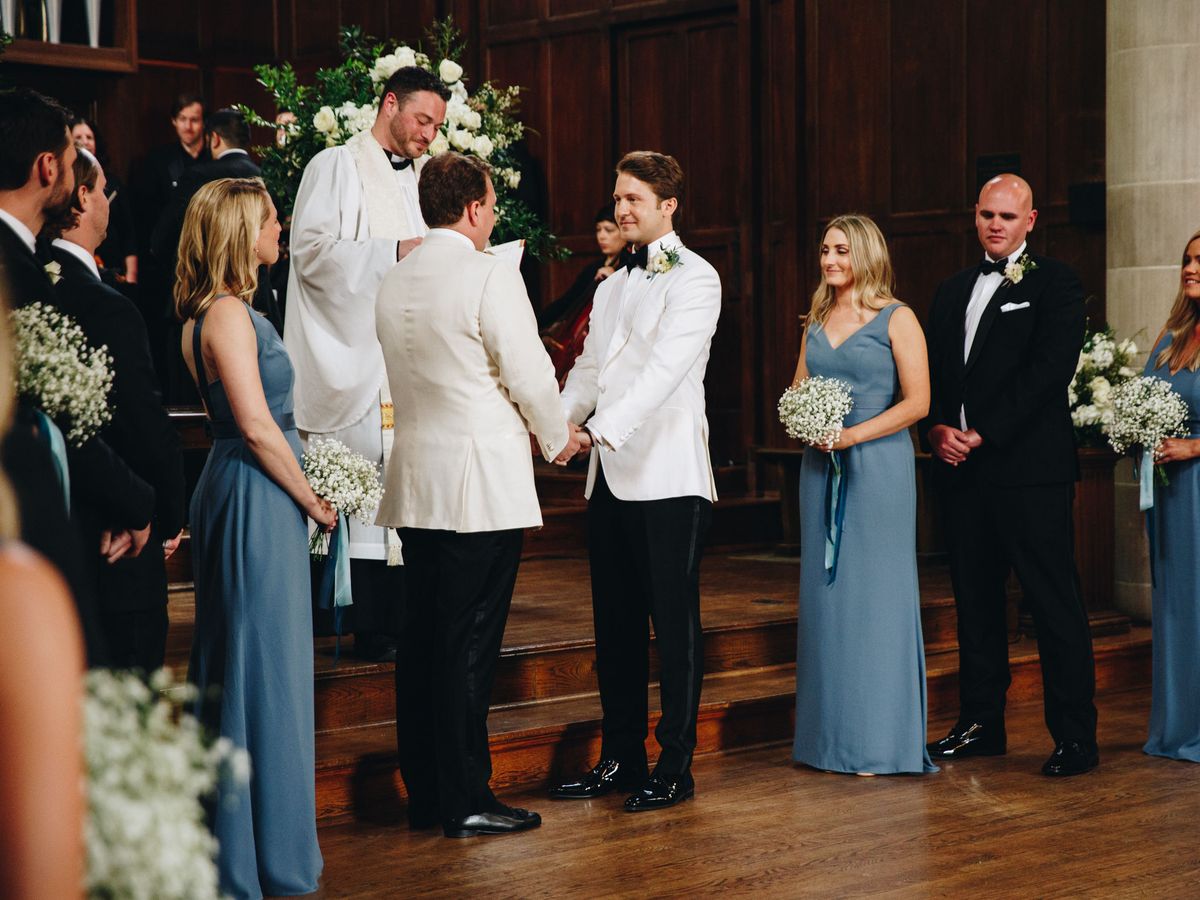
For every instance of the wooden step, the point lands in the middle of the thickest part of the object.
(534, 744)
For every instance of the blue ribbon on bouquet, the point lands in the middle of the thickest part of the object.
(1146, 481)
(53, 439)
(835, 512)
(335, 580)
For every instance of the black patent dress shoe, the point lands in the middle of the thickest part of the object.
(608, 776)
(1071, 758)
(500, 820)
(661, 791)
(971, 739)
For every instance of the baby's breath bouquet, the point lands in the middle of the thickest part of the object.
(348, 480)
(1104, 364)
(815, 410)
(344, 100)
(1146, 411)
(149, 764)
(59, 373)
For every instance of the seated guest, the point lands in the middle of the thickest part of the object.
(36, 180)
(41, 829)
(132, 591)
(470, 378)
(564, 323)
(117, 255)
(1175, 532)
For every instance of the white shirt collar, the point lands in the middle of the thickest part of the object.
(225, 153)
(79, 253)
(1012, 257)
(670, 239)
(449, 234)
(20, 228)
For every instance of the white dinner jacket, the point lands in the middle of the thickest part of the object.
(470, 380)
(640, 378)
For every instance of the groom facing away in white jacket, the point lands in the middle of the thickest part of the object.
(470, 381)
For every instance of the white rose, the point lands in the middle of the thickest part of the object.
(405, 56)
(472, 120)
(325, 121)
(1102, 356)
(459, 90)
(384, 67)
(457, 111)
(459, 139)
(449, 71)
(482, 146)
(1126, 372)
(512, 177)
(1100, 388)
(439, 146)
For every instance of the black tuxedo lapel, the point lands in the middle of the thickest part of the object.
(985, 322)
(958, 321)
(74, 269)
(27, 279)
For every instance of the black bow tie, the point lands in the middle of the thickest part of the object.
(987, 267)
(399, 163)
(637, 259)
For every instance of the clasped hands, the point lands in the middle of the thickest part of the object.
(952, 445)
(579, 442)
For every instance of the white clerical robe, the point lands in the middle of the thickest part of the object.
(337, 266)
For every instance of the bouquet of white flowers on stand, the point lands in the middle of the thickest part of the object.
(350, 483)
(1146, 411)
(814, 411)
(149, 766)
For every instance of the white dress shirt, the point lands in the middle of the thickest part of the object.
(981, 295)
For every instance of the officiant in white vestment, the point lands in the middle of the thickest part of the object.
(356, 215)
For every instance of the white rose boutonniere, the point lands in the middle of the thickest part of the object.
(663, 261)
(1015, 271)
(54, 270)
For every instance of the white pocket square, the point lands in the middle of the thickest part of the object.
(1012, 307)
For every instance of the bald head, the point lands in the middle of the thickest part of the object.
(1004, 215)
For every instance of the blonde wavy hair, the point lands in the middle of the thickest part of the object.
(1181, 323)
(216, 246)
(874, 280)
(10, 523)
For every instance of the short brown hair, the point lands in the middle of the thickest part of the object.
(662, 172)
(449, 183)
(87, 172)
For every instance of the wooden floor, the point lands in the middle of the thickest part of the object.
(763, 827)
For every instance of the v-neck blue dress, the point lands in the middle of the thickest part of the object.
(860, 659)
(1175, 598)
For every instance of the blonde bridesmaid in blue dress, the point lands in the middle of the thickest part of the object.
(860, 662)
(1174, 523)
(253, 636)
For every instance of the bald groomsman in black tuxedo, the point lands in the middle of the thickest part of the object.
(1004, 338)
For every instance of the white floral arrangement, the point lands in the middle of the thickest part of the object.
(1104, 364)
(59, 373)
(663, 261)
(149, 764)
(815, 410)
(347, 480)
(1146, 411)
(1017, 269)
(345, 100)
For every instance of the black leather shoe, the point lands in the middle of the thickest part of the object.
(661, 791)
(970, 739)
(501, 820)
(608, 775)
(1071, 758)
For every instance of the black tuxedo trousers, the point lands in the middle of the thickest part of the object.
(645, 566)
(459, 590)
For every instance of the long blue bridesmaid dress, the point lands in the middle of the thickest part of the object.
(253, 642)
(1175, 598)
(860, 660)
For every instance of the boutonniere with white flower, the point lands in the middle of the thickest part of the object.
(663, 262)
(54, 270)
(1015, 271)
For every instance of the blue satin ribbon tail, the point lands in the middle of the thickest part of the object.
(335, 592)
(835, 513)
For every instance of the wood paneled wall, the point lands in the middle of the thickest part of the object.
(784, 113)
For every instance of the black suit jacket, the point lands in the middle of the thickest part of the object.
(140, 430)
(1014, 383)
(164, 243)
(153, 181)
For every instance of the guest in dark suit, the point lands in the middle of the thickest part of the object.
(36, 181)
(228, 141)
(1004, 338)
(132, 591)
(117, 255)
(153, 180)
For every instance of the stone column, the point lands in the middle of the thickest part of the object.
(1153, 177)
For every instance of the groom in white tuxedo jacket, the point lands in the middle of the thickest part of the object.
(638, 390)
(470, 380)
